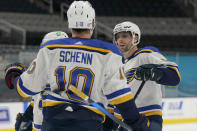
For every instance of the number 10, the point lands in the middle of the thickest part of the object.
(74, 76)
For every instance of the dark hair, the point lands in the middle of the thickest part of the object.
(80, 30)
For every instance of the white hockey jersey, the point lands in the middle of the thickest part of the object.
(37, 112)
(150, 98)
(36, 102)
(91, 65)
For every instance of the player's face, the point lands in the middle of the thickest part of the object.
(124, 41)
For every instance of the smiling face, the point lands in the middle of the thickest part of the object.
(124, 41)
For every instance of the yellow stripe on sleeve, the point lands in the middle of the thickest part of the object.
(174, 68)
(122, 99)
(152, 113)
(21, 93)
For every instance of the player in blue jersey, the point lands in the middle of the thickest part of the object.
(145, 64)
(92, 66)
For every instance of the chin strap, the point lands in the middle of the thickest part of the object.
(93, 26)
(91, 32)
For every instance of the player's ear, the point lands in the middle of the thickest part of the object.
(136, 38)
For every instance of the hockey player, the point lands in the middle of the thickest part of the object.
(145, 64)
(91, 65)
(34, 111)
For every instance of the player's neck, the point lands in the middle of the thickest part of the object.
(85, 35)
(130, 53)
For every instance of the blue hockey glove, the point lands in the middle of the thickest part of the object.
(11, 72)
(142, 124)
(22, 124)
(149, 72)
(24, 121)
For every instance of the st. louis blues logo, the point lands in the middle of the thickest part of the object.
(130, 74)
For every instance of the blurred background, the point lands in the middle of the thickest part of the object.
(170, 25)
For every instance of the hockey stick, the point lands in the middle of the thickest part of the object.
(143, 82)
(139, 90)
(136, 95)
(91, 102)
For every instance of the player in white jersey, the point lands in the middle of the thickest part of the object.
(34, 111)
(91, 65)
(37, 111)
(145, 64)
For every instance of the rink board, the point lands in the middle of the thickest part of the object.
(178, 114)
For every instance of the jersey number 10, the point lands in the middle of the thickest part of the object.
(74, 75)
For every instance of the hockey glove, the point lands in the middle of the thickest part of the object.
(142, 124)
(21, 124)
(149, 72)
(24, 121)
(11, 72)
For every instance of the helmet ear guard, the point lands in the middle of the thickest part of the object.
(81, 15)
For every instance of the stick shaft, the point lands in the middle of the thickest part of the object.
(99, 107)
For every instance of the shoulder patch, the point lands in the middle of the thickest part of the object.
(31, 68)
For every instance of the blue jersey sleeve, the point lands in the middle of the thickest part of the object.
(170, 77)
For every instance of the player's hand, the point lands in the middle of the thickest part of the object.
(22, 124)
(11, 72)
(142, 124)
(149, 72)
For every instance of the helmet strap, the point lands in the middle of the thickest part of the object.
(93, 26)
